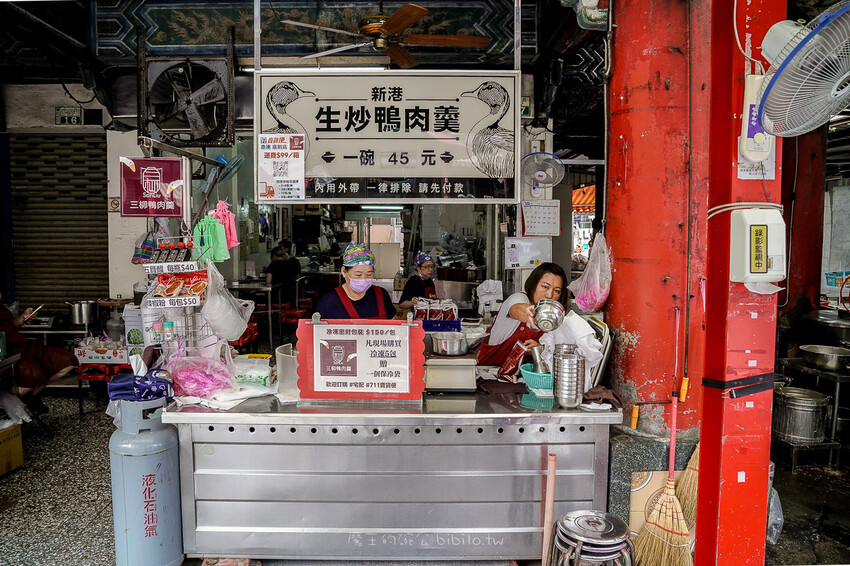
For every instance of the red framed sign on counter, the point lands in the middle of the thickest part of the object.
(360, 359)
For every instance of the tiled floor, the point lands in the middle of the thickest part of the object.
(57, 510)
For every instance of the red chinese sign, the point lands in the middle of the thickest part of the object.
(152, 186)
(151, 518)
(360, 359)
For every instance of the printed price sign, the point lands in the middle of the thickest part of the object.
(170, 302)
(360, 359)
(370, 359)
(177, 267)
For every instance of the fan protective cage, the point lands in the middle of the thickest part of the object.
(809, 82)
(189, 102)
(542, 169)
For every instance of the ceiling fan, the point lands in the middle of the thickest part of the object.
(384, 33)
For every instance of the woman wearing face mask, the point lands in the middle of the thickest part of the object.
(420, 285)
(357, 297)
(515, 319)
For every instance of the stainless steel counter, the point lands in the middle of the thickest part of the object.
(457, 477)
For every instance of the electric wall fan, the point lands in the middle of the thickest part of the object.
(809, 77)
(541, 170)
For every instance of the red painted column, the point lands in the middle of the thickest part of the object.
(803, 176)
(648, 198)
(740, 326)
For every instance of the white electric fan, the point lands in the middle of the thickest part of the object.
(809, 77)
(541, 170)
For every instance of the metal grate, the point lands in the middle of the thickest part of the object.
(59, 222)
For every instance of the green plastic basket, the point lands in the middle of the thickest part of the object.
(536, 380)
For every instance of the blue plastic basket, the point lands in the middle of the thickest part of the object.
(441, 325)
(536, 380)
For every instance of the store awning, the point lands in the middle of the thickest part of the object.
(584, 200)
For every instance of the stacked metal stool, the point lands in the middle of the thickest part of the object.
(585, 538)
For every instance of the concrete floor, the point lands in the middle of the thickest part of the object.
(57, 509)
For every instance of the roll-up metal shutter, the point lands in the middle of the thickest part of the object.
(59, 224)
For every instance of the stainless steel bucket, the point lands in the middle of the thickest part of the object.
(799, 415)
(82, 312)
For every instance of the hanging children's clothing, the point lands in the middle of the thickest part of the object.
(210, 240)
(228, 219)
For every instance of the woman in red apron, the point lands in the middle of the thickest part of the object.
(420, 285)
(357, 298)
(515, 319)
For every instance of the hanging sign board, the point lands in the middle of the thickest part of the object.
(527, 253)
(360, 359)
(391, 136)
(280, 167)
(153, 186)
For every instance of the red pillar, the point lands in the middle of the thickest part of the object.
(648, 203)
(741, 326)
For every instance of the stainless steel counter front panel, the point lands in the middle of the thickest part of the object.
(298, 484)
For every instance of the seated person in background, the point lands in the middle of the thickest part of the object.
(515, 319)
(284, 270)
(357, 298)
(39, 364)
(420, 285)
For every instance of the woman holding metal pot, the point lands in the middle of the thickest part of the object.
(357, 297)
(515, 319)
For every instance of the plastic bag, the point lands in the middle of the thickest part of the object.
(14, 407)
(775, 517)
(200, 377)
(591, 289)
(227, 316)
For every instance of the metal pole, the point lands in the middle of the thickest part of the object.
(258, 32)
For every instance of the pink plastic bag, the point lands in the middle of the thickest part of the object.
(201, 377)
(591, 289)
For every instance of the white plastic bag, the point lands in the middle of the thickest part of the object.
(227, 315)
(591, 289)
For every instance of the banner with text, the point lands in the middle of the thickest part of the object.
(380, 136)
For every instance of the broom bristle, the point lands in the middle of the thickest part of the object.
(686, 490)
(663, 540)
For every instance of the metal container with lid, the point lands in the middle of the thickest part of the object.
(799, 415)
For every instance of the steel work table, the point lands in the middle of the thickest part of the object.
(455, 477)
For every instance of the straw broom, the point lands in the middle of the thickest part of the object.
(663, 540)
(686, 490)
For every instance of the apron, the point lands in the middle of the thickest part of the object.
(430, 288)
(496, 355)
(352, 312)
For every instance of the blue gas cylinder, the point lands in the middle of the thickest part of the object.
(145, 488)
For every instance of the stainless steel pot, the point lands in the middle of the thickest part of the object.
(830, 358)
(449, 343)
(82, 312)
(548, 315)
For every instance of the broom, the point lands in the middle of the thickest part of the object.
(663, 540)
(686, 490)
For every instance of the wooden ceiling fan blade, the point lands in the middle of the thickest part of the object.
(401, 57)
(448, 40)
(314, 26)
(403, 18)
(337, 50)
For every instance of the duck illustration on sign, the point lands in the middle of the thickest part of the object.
(278, 98)
(490, 146)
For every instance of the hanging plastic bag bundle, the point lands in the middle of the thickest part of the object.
(227, 316)
(591, 289)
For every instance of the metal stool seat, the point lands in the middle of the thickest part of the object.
(582, 538)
